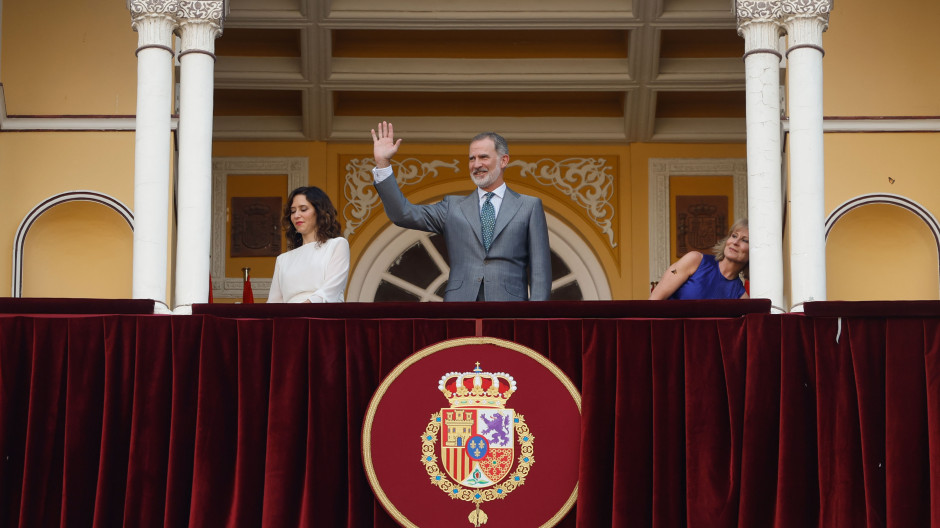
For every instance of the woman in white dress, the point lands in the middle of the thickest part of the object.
(315, 268)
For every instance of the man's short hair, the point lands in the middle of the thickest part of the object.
(502, 148)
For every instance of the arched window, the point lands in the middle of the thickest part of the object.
(409, 265)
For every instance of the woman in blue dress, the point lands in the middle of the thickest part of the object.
(698, 276)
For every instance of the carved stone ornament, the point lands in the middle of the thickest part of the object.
(585, 180)
(209, 10)
(820, 8)
(152, 7)
(361, 197)
(749, 10)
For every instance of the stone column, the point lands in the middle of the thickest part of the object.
(154, 21)
(805, 21)
(760, 24)
(200, 22)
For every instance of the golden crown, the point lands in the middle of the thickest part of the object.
(477, 388)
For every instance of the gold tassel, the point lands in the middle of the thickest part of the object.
(478, 517)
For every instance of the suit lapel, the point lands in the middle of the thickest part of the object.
(508, 209)
(470, 207)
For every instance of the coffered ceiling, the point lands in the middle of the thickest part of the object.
(536, 70)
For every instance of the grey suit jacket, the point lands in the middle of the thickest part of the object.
(518, 261)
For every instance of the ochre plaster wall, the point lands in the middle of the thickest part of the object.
(881, 59)
(62, 57)
(860, 244)
(37, 165)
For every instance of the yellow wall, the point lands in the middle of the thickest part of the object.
(881, 60)
(38, 165)
(864, 164)
(859, 164)
(62, 57)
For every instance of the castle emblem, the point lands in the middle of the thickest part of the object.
(476, 440)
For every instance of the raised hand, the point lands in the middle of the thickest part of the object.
(384, 145)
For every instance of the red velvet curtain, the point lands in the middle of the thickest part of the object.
(763, 420)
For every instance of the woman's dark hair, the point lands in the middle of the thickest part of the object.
(327, 222)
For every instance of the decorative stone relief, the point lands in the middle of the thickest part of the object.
(587, 181)
(747, 10)
(807, 7)
(152, 7)
(361, 197)
(210, 10)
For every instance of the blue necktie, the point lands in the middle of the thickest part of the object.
(488, 220)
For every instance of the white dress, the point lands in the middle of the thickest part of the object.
(314, 272)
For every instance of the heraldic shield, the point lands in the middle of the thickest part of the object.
(477, 434)
(477, 450)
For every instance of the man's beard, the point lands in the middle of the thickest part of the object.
(484, 179)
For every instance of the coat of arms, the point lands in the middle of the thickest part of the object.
(476, 440)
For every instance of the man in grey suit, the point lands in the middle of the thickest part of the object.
(497, 239)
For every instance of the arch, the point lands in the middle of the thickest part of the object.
(564, 241)
(19, 241)
(896, 200)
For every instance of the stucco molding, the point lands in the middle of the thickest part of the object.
(586, 181)
(360, 195)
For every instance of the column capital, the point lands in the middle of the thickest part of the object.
(759, 22)
(200, 23)
(806, 20)
(154, 22)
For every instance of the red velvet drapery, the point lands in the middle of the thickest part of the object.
(760, 420)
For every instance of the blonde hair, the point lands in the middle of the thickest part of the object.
(719, 249)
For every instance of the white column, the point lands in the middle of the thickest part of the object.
(759, 24)
(805, 21)
(154, 24)
(199, 25)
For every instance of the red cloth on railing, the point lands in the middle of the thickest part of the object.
(760, 420)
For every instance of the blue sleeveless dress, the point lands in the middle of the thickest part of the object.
(708, 283)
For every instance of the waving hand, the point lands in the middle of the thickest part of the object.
(384, 145)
